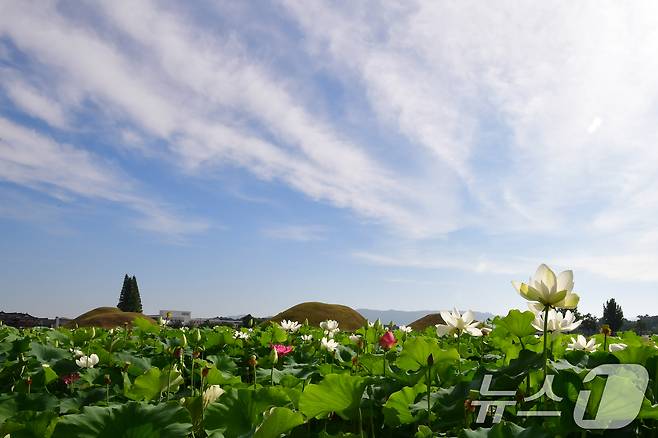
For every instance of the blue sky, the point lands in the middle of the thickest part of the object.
(246, 156)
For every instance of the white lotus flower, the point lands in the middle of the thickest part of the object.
(616, 347)
(329, 324)
(545, 289)
(456, 324)
(581, 343)
(290, 326)
(329, 344)
(76, 352)
(307, 338)
(355, 338)
(211, 394)
(240, 335)
(557, 322)
(87, 361)
(405, 329)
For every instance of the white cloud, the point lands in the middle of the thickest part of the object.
(33, 101)
(172, 62)
(32, 160)
(300, 233)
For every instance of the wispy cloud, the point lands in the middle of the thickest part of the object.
(32, 160)
(300, 233)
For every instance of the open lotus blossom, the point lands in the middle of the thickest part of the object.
(307, 338)
(405, 329)
(329, 344)
(456, 324)
(290, 326)
(240, 335)
(87, 361)
(211, 394)
(616, 347)
(557, 322)
(387, 341)
(581, 343)
(282, 350)
(547, 290)
(76, 352)
(330, 327)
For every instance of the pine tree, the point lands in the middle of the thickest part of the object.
(135, 299)
(129, 300)
(125, 292)
(613, 315)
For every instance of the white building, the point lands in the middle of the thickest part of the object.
(176, 315)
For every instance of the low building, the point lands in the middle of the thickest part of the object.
(181, 316)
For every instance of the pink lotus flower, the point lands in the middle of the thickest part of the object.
(69, 379)
(387, 341)
(282, 350)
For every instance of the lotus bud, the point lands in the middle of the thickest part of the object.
(197, 335)
(430, 360)
(387, 341)
(252, 361)
(28, 380)
(178, 352)
(605, 330)
(106, 379)
(184, 341)
(274, 355)
(205, 371)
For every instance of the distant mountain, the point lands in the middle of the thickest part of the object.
(407, 316)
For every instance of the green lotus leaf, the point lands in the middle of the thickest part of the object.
(239, 411)
(278, 421)
(130, 420)
(339, 393)
(415, 352)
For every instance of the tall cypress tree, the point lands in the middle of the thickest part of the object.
(135, 299)
(125, 293)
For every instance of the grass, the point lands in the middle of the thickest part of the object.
(348, 318)
(106, 317)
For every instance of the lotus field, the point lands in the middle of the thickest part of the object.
(499, 378)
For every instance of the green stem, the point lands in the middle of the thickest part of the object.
(169, 379)
(272, 376)
(429, 389)
(254, 369)
(384, 363)
(545, 341)
(605, 342)
(459, 352)
(192, 375)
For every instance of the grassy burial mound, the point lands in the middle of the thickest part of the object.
(427, 321)
(106, 317)
(315, 313)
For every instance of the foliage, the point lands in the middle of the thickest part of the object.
(613, 315)
(156, 381)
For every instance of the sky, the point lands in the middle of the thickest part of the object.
(242, 157)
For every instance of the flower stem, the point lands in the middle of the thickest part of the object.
(459, 352)
(429, 389)
(545, 341)
(384, 363)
